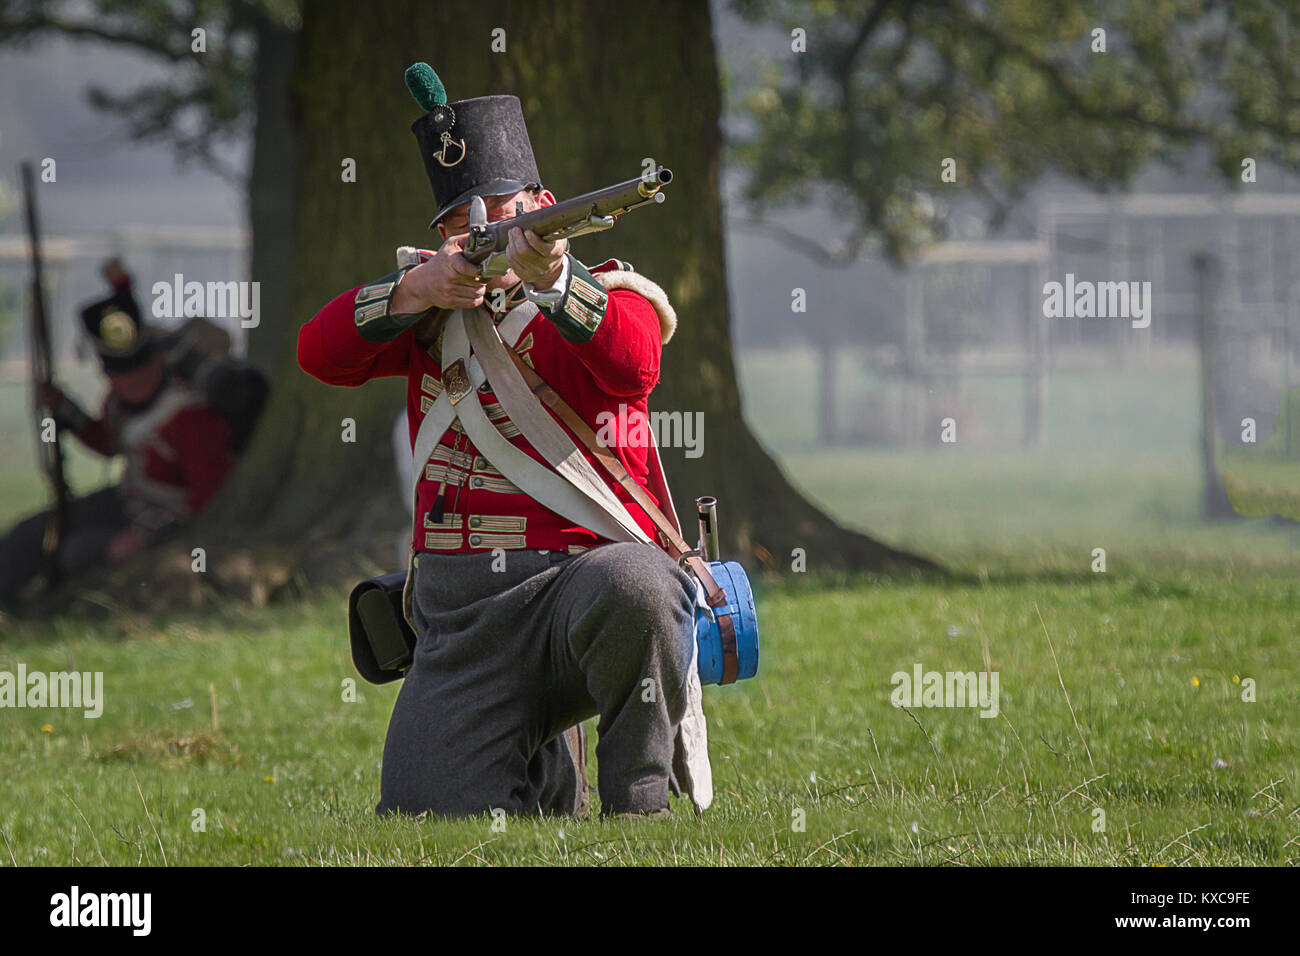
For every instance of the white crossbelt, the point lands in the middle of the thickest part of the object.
(574, 490)
(537, 426)
(442, 413)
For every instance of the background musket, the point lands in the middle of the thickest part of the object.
(51, 453)
(591, 212)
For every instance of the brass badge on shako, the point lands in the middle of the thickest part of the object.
(443, 118)
(117, 331)
(473, 147)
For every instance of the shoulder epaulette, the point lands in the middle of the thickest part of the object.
(612, 265)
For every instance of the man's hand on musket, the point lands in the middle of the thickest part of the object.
(67, 413)
(534, 260)
(447, 281)
(450, 281)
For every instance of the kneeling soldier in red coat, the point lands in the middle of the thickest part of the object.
(176, 446)
(528, 623)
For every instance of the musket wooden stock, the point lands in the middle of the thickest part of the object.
(572, 216)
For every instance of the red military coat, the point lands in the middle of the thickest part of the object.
(612, 372)
(177, 454)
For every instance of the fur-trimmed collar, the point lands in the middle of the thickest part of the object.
(627, 279)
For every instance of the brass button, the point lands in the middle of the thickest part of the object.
(475, 522)
(475, 540)
(478, 482)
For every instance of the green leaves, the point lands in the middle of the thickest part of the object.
(1011, 90)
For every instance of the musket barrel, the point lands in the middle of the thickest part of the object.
(662, 177)
(706, 509)
(51, 453)
(611, 201)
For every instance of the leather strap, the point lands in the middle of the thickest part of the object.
(715, 595)
(658, 483)
(541, 430)
(545, 486)
(538, 481)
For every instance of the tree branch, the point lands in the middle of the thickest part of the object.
(45, 23)
(1056, 77)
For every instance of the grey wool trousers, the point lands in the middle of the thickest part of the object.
(508, 659)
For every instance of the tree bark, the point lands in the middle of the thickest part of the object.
(602, 93)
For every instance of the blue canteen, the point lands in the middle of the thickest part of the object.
(740, 597)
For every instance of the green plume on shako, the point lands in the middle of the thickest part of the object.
(425, 86)
(473, 147)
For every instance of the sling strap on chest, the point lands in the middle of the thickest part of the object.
(492, 351)
(473, 348)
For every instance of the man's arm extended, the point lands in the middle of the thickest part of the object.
(331, 348)
(94, 433)
(615, 335)
(357, 336)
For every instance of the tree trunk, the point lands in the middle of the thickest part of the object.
(601, 92)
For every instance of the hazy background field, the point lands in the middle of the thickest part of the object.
(1119, 468)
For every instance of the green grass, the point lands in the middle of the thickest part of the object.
(1151, 665)
(1037, 512)
(1153, 654)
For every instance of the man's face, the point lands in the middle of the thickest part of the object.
(137, 386)
(456, 222)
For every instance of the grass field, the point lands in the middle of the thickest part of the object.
(1183, 769)
(1125, 698)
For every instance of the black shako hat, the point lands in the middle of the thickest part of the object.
(474, 147)
(121, 338)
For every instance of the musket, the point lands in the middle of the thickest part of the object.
(706, 511)
(50, 452)
(588, 213)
